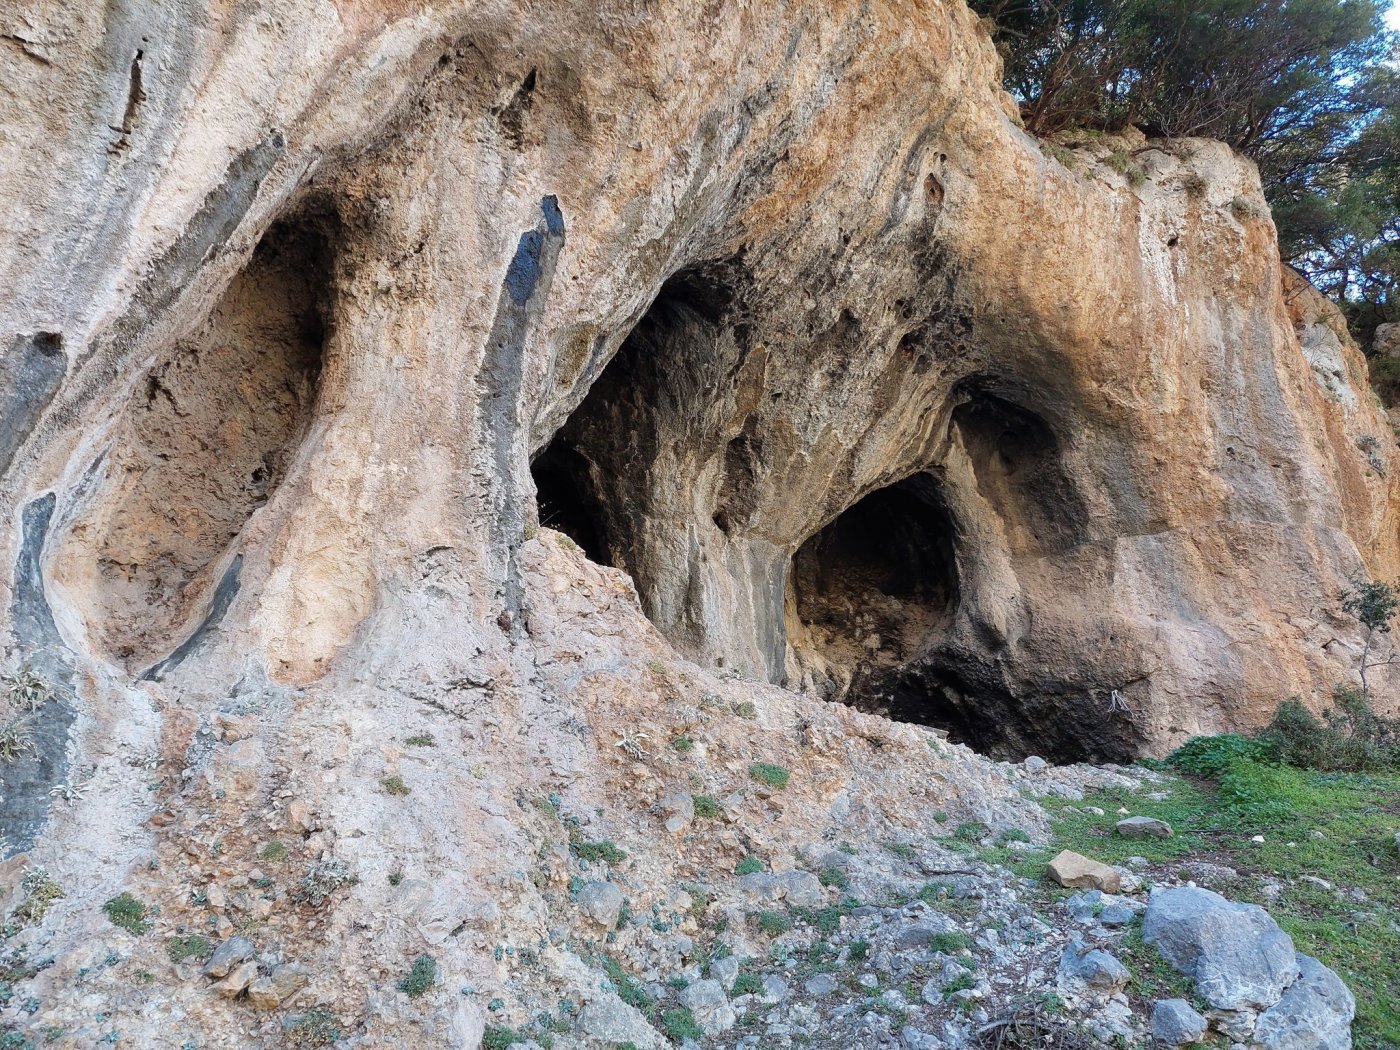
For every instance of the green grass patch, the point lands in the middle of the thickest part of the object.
(602, 850)
(422, 975)
(770, 774)
(195, 946)
(498, 1037)
(126, 911)
(420, 740)
(395, 786)
(750, 865)
(273, 852)
(706, 806)
(680, 1025)
(683, 744)
(773, 923)
(1339, 827)
(627, 987)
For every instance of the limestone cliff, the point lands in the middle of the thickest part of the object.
(315, 312)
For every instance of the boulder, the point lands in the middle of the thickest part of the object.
(267, 993)
(1239, 957)
(1078, 872)
(1175, 1023)
(1143, 828)
(602, 902)
(239, 978)
(708, 1003)
(725, 971)
(228, 955)
(1315, 1013)
(609, 1020)
(1092, 967)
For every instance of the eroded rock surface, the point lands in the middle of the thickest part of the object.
(315, 312)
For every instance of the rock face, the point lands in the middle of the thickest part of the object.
(315, 313)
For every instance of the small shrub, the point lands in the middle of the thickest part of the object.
(902, 850)
(1061, 154)
(604, 850)
(498, 1037)
(1122, 162)
(768, 773)
(746, 709)
(1243, 209)
(748, 866)
(317, 1027)
(824, 920)
(394, 785)
(274, 851)
(1211, 756)
(126, 911)
(746, 984)
(961, 983)
(321, 880)
(683, 744)
(1012, 835)
(706, 806)
(1195, 185)
(834, 877)
(680, 1025)
(421, 977)
(934, 891)
(195, 946)
(949, 943)
(421, 740)
(859, 949)
(773, 923)
(40, 893)
(970, 830)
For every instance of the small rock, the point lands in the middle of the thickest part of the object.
(725, 971)
(285, 981)
(1257, 838)
(1035, 764)
(868, 980)
(600, 901)
(1143, 828)
(708, 1003)
(1175, 1023)
(300, 818)
(1116, 915)
(610, 1020)
(1075, 871)
(1095, 967)
(802, 889)
(775, 989)
(232, 986)
(227, 955)
(821, 984)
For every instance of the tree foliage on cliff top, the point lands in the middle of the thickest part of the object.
(1307, 88)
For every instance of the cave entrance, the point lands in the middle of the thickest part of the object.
(568, 498)
(870, 595)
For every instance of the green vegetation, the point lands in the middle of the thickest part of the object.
(834, 877)
(705, 807)
(40, 893)
(628, 988)
(1335, 826)
(273, 852)
(773, 923)
(680, 1025)
(746, 984)
(194, 946)
(859, 949)
(317, 1027)
(902, 850)
(750, 865)
(602, 850)
(768, 773)
(394, 785)
(421, 977)
(1307, 88)
(497, 1037)
(683, 744)
(421, 740)
(126, 911)
(1374, 603)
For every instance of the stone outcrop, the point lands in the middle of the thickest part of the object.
(314, 313)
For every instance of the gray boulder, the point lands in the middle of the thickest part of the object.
(228, 955)
(601, 902)
(708, 1003)
(725, 971)
(609, 1020)
(1314, 1014)
(1093, 967)
(1175, 1023)
(821, 984)
(1144, 828)
(1237, 954)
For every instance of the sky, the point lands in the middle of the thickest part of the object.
(1394, 17)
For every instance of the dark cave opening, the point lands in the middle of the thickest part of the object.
(568, 499)
(873, 592)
